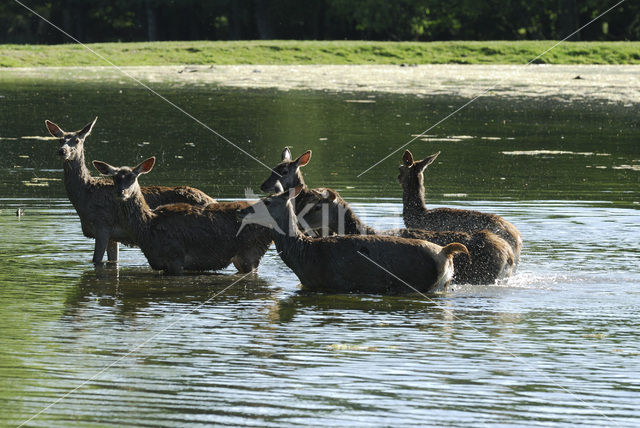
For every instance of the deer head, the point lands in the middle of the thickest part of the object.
(125, 179)
(411, 173)
(71, 143)
(286, 175)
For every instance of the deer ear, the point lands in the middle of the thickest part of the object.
(286, 155)
(426, 161)
(145, 166)
(84, 132)
(104, 168)
(54, 129)
(407, 158)
(304, 158)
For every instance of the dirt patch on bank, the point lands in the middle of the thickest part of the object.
(613, 83)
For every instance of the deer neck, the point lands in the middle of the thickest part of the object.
(137, 213)
(290, 243)
(296, 181)
(300, 180)
(413, 198)
(77, 179)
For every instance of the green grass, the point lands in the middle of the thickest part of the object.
(320, 52)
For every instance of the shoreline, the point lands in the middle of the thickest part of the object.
(610, 83)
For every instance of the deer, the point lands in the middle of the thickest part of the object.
(179, 237)
(287, 175)
(491, 257)
(93, 197)
(417, 215)
(352, 263)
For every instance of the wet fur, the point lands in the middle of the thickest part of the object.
(93, 198)
(491, 257)
(177, 237)
(337, 263)
(162, 195)
(417, 216)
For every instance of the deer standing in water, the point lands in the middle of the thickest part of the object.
(491, 257)
(287, 175)
(416, 215)
(93, 198)
(179, 237)
(353, 263)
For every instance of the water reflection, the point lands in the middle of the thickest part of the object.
(132, 291)
(284, 310)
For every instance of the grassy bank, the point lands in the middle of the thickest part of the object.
(320, 52)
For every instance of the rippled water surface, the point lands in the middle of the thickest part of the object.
(557, 345)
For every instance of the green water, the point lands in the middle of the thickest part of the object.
(557, 345)
(346, 138)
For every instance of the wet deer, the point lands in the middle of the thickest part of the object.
(287, 175)
(417, 215)
(491, 257)
(93, 198)
(353, 263)
(178, 237)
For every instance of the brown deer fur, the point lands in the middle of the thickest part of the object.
(491, 257)
(417, 216)
(352, 263)
(93, 197)
(179, 237)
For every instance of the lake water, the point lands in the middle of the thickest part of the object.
(557, 345)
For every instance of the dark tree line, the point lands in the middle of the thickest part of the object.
(423, 20)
